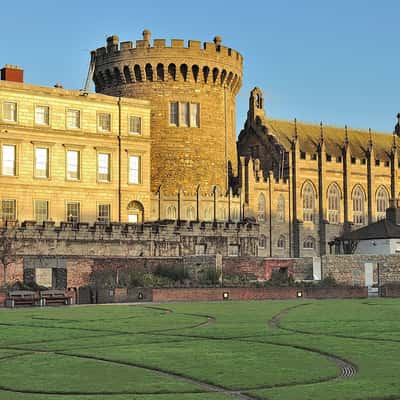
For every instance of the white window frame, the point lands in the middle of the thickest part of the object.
(104, 218)
(5, 160)
(13, 112)
(100, 174)
(36, 204)
(135, 125)
(14, 216)
(72, 168)
(134, 173)
(42, 115)
(104, 122)
(37, 162)
(73, 118)
(69, 216)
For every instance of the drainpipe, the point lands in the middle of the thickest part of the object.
(119, 158)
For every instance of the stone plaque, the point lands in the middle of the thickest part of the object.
(44, 277)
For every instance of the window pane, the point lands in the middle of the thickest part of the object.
(41, 210)
(73, 212)
(103, 213)
(134, 169)
(8, 210)
(73, 119)
(194, 115)
(173, 117)
(42, 115)
(104, 122)
(183, 114)
(41, 162)
(135, 125)
(103, 173)
(8, 160)
(10, 112)
(72, 164)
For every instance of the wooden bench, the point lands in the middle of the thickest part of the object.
(54, 297)
(21, 298)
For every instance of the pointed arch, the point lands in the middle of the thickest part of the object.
(308, 193)
(190, 213)
(382, 202)
(281, 242)
(333, 196)
(223, 76)
(358, 197)
(280, 209)
(171, 212)
(109, 78)
(309, 243)
(261, 207)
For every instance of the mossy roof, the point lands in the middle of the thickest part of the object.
(334, 137)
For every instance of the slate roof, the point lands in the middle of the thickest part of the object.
(383, 229)
(309, 135)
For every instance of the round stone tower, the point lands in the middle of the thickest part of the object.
(192, 90)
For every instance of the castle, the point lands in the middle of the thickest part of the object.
(157, 142)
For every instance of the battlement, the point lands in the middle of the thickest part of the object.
(120, 63)
(125, 232)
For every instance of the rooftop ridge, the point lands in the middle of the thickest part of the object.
(328, 126)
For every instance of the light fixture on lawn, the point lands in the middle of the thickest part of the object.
(225, 295)
(299, 293)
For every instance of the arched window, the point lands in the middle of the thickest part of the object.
(206, 72)
(160, 72)
(280, 244)
(358, 205)
(309, 243)
(190, 214)
(127, 74)
(135, 212)
(138, 73)
(280, 209)
(261, 208)
(333, 204)
(208, 214)
(382, 203)
(235, 214)
(184, 71)
(149, 72)
(172, 72)
(171, 212)
(195, 72)
(222, 214)
(215, 73)
(308, 202)
(262, 242)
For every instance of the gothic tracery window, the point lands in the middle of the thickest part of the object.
(308, 202)
(309, 243)
(261, 208)
(333, 204)
(382, 203)
(358, 206)
(280, 209)
(281, 242)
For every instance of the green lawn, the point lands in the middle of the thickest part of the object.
(202, 351)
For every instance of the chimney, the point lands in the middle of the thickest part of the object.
(12, 73)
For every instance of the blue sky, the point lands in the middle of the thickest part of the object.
(335, 61)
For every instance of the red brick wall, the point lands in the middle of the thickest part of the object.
(78, 272)
(216, 294)
(3, 296)
(15, 273)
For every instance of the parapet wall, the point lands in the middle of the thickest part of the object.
(120, 63)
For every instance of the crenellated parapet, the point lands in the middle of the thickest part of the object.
(146, 61)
